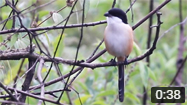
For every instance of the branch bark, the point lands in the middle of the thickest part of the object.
(178, 79)
(28, 79)
(151, 6)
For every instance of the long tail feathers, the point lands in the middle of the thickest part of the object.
(121, 82)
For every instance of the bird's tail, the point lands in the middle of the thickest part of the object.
(121, 81)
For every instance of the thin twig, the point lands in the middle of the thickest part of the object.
(151, 6)
(35, 93)
(96, 49)
(28, 79)
(80, 40)
(151, 13)
(35, 96)
(43, 5)
(130, 6)
(25, 10)
(178, 71)
(178, 80)
(39, 75)
(86, 24)
(114, 3)
(11, 102)
(9, 15)
(171, 28)
(132, 14)
(59, 40)
(54, 27)
(18, 73)
(14, 98)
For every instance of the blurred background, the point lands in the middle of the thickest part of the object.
(99, 86)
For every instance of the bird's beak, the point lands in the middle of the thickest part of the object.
(107, 14)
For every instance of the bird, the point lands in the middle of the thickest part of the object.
(118, 39)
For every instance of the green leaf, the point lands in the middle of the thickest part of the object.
(20, 44)
(64, 98)
(57, 18)
(31, 101)
(83, 86)
(135, 72)
(109, 76)
(133, 97)
(144, 73)
(12, 72)
(25, 20)
(170, 63)
(151, 74)
(14, 38)
(99, 103)
(9, 24)
(61, 46)
(89, 83)
(106, 93)
(5, 12)
(44, 39)
(43, 13)
(136, 49)
(25, 40)
(46, 35)
(83, 99)
(1, 2)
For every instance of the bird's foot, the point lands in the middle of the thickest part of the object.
(80, 61)
(126, 62)
(113, 60)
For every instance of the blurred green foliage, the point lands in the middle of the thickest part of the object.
(98, 86)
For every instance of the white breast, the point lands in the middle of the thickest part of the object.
(117, 37)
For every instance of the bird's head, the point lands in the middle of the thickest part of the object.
(116, 14)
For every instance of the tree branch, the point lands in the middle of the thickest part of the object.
(85, 24)
(14, 98)
(35, 96)
(53, 27)
(28, 79)
(178, 79)
(39, 75)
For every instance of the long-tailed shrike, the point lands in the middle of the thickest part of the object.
(118, 38)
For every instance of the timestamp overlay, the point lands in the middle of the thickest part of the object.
(167, 94)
